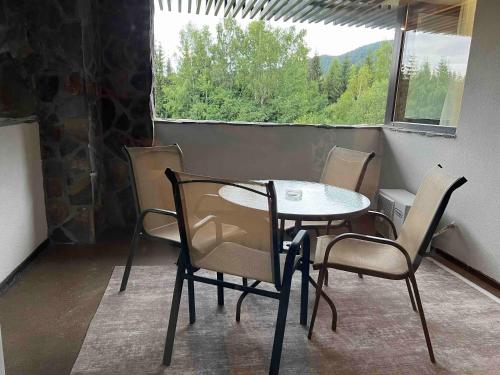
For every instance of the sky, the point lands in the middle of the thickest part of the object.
(432, 48)
(321, 39)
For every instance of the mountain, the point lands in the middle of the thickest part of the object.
(356, 56)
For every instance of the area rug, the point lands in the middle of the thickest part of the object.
(377, 333)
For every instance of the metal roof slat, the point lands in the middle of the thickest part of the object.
(208, 6)
(198, 6)
(247, 8)
(280, 4)
(381, 19)
(298, 10)
(357, 11)
(308, 15)
(325, 13)
(218, 4)
(373, 6)
(257, 8)
(338, 12)
(238, 6)
(302, 9)
(228, 6)
(290, 5)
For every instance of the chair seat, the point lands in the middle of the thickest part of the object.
(361, 254)
(204, 238)
(290, 224)
(167, 232)
(237, 260)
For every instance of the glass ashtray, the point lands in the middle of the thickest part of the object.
(294, 194)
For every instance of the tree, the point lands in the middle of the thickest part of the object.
(315, 69)
(264, 73)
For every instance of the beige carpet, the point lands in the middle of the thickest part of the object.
(378, 332)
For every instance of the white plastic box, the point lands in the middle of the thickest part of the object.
(396, 204)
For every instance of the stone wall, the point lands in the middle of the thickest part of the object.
(84, 68)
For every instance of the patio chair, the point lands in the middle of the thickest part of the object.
(344, 168)
(154, 200)
(388, 259)
(254, 254)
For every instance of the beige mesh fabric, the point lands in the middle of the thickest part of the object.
(153, 188)
(344, 168)
(362, 254)
(386, 258)
(229, 233)
(427, 201)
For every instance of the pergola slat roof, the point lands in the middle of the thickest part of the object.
(367, 13)
(376, 13)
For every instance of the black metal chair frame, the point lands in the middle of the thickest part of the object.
(186, 271)
(409, 276)
(139, 230)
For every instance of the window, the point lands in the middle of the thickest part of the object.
(433, 63)
(209, 67)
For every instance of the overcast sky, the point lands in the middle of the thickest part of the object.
(321, 39)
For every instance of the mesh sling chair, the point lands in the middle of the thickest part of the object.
(153, 196)
(398, 259)
(254, 253)
(343, 168)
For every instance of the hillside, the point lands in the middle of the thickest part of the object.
(356, 56)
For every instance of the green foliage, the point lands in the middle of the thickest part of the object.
(428, 90)
(263, 73)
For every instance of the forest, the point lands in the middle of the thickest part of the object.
(265, 74)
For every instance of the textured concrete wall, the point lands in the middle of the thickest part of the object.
(276, 152)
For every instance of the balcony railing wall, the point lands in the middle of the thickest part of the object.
(258, 151)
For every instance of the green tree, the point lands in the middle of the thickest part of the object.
(264, 73)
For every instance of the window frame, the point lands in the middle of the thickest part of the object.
(399, 37)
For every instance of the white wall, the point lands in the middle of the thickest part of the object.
(475, 153)
(23, 225)
(259, 152)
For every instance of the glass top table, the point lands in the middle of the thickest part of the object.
(302, 200)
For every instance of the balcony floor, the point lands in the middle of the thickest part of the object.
(55, 298)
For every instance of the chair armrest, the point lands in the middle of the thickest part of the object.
(365, 237)
(157, 211)
(210, 219)
(204, 221)
(386, 218)
(301, 238)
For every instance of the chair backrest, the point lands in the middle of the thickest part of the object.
(151, 188)
(428, 207)
(241, 217)
(345, 168)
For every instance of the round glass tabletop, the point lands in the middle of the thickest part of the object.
(302, 200)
